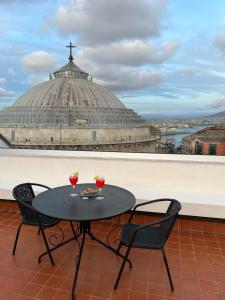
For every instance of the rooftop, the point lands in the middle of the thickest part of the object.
(195, 249)
(196, 254)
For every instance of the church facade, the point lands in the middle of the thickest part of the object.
(70, 111)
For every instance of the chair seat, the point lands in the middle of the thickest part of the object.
(45, 221)
(149, 238)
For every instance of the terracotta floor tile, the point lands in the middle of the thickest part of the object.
(155, 297)
(63, 295)
(67, 284)
(103, 292)
(157, 288)
(31, 290)
(46, 293)
(207, 285)
(210, 296)
(54, 281)
(40, 278)
(6, 295)
(120, 294)
(193, 295)
(86, 287)
(138, 296)
(22, 297)
(15, 285)
(196, 259)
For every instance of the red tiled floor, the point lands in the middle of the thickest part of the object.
(195, 253)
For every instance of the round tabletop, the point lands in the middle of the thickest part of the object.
(58, 203)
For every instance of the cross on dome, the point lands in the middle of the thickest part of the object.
(70, 56)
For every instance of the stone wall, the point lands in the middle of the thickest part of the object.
(151, 146)
(74, 136)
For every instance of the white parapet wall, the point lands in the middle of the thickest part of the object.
(196, 181)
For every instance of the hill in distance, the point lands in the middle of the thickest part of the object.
(170, 117)
(217, 115)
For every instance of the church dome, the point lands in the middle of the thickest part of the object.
(69, 87)
(70, 99)
(69, 92)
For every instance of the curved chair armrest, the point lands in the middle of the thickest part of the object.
(145, 203)
(41, 185)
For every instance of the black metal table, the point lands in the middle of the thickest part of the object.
(59, 204)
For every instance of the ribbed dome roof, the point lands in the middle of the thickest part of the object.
(71, 92)
(72, 87)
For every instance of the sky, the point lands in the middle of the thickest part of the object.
(160, 57)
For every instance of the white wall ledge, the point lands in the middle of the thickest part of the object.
(196, 181)
(115, 156)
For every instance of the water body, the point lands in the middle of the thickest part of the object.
(3, 144)
(180, 133)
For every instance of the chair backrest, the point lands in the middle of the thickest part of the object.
(169, 218)
(24, 194)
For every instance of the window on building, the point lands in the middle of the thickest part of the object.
(198, 149)
(13, 135)
(94, 136)
(212, 149)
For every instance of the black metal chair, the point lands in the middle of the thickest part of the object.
(149, 236)
(24, 194)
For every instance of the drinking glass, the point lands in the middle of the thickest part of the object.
(73, 180)
(100, 181)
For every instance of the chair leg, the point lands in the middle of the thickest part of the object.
(118, 249)
(16, 240)
(168, 270)
(121, 268)
(47, 246)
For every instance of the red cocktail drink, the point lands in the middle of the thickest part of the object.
(100, 182)
(73, 180)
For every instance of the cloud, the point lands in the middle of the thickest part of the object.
(115, 71)
(11, 72)
(34, 79)
(115, 39)
(5, 93)
(2, 81)
(219, 42)
(104, 21)
(189, 71)
(127, 79)
(39, 61)
(132, 53)
(18, 1)
(125, 65)
(218, 103)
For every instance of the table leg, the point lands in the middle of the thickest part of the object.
(84, 226)
(75, 237)
(110, 248)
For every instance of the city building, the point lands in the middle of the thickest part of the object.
(70, 111)
(208, 141)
